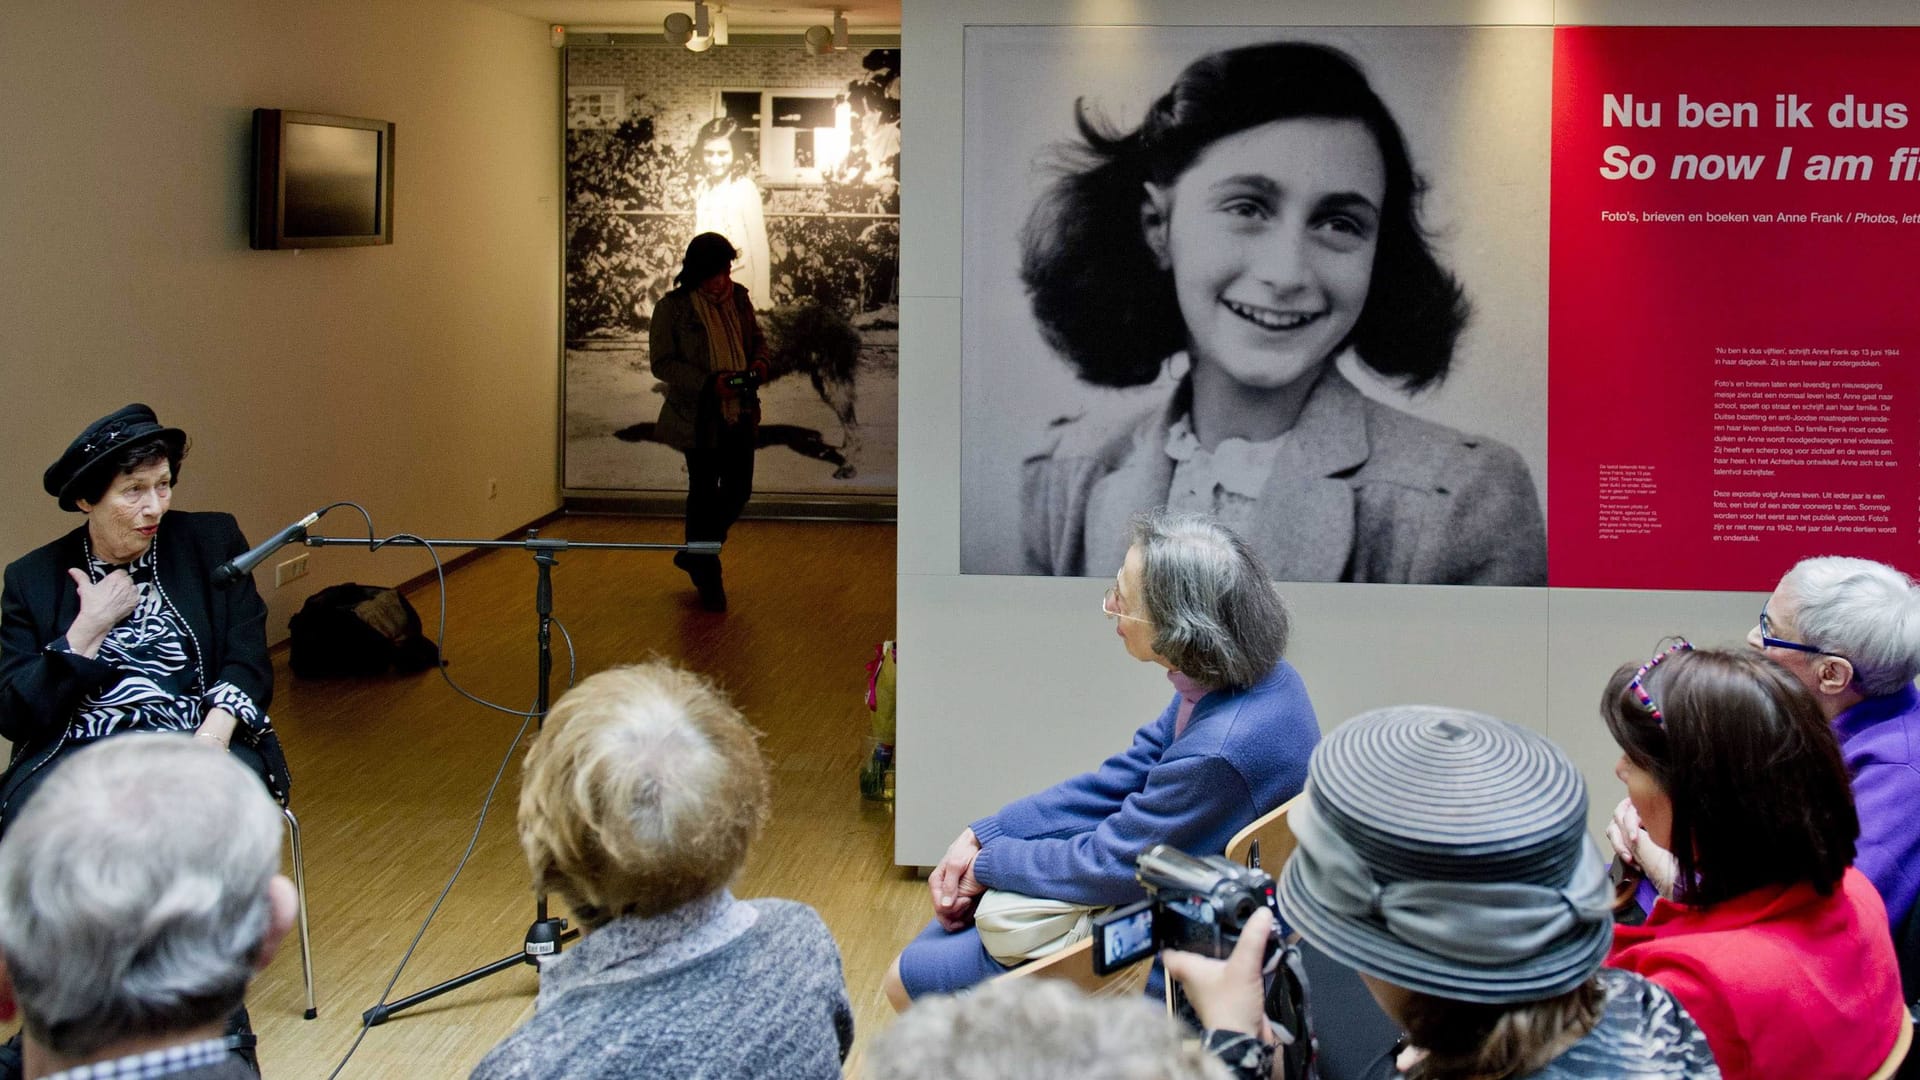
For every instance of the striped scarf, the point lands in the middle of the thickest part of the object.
(726, 346)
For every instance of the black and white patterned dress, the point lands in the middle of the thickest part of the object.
(163, 689)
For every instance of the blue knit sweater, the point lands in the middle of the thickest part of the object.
(1242, 754)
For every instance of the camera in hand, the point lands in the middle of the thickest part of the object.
(1195, 905)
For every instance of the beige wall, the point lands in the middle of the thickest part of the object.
(401, 377)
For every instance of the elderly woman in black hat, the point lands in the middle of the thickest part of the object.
(1444, 855)
(706, 348)
(117, 626)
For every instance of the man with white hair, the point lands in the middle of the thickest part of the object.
(1849, 629)
(139, 893)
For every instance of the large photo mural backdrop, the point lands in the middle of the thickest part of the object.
(796, 159)
(1296, 278)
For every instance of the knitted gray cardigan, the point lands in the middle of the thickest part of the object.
(769, 1002)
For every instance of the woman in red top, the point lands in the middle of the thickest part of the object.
(1775, 945)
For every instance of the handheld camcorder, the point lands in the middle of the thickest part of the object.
(1194, 905)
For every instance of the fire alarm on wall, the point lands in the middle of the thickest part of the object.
(557, 35)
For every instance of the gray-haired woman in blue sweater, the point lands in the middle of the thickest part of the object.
(1231, 745)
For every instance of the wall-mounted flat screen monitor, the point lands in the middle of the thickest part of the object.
(321, 181)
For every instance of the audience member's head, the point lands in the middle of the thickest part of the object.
(1213, 609)
(641, 794)
(1847, 628)
(1036, 1029)
(139, 892)
(1732, 767)
(1444, 855)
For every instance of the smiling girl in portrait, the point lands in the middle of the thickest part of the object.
(727, 201)
(1262, 220)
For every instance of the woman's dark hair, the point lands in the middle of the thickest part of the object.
(1760, 793)
(133, 456)
(707, 255)
(720, 127)
(1494, 1042)
(1101, 297)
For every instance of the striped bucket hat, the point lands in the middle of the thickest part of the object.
(1447, 852)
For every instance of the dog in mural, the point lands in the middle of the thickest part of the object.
(813, 338)
(810, 338)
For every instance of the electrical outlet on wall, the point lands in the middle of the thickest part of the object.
(295, 567)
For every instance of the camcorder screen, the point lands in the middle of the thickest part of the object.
(1122, 937)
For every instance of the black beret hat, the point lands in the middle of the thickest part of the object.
(94, 451)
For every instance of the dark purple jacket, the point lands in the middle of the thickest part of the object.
(1880, 739)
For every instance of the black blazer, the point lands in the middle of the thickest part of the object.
(40, 690)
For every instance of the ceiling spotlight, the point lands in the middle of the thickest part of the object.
(678, 27)
(821, 40)
(695, 31)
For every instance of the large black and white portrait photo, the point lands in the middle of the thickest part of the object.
(1292, 277)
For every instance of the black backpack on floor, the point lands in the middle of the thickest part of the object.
(358, 630)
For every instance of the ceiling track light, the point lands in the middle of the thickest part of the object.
(821, 40)
(698, 31)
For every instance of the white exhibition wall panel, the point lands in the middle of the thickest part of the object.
(1591, 632)
(1010, 683)
(1018, 682)
(929, 458)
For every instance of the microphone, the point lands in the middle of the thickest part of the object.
(242, 565)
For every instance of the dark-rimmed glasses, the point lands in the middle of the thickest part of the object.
(1768, 640)
(1638, 686)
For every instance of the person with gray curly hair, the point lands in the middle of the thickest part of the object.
(139, 893)
(1231, 745)
(1038, 1029)
(641, 797)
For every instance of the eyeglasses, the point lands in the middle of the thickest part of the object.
(1767, 639)
(1110, 604)
(1638, 688)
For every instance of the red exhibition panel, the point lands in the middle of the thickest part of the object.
(1734, 312)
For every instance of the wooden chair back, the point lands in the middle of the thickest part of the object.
(1891, 1067)
(1075, 964)
(1273, 833)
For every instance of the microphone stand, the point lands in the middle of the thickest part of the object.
(547, 933)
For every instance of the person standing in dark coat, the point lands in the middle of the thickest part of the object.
(706, 347)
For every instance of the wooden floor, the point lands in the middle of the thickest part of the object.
(389, 775)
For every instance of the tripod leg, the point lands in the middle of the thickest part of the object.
(543, 939)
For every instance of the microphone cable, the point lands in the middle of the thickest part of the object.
(527, 716)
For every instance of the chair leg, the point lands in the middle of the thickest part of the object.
(300, 887)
